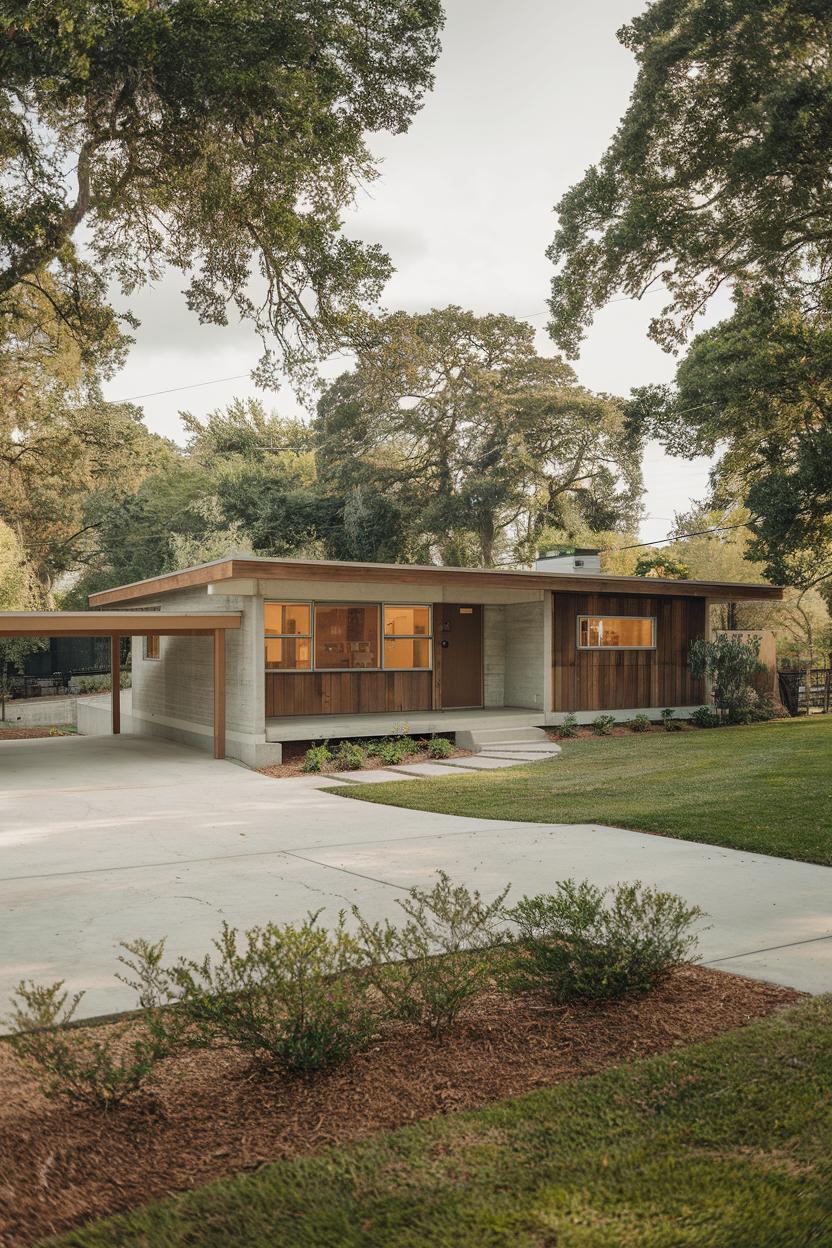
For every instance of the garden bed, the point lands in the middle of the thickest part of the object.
(294, 753)
(9, 733)
(212, 1114)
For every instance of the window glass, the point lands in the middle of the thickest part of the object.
(614, 632)
(346, 636)
(152, 648)
(407, 621)
(288, 654)
(288, 617)
(406, 652)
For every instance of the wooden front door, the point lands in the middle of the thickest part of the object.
(458, 646)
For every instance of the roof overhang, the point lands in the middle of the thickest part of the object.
(340, 573)
(114, 623)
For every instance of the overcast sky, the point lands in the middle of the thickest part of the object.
(527, 94)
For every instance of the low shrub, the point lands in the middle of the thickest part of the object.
(316, 758)
(288, 995)
(569, 727)
(670, 724)
(705, 717)
(440, 747)
(350, 756)
(639, 723)
(602, 725)
(102, 683)
(74, 1065)
(428, 969)
(391, 752)
(584, 942)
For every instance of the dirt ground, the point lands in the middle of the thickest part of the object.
(10, 733)
(294, 751)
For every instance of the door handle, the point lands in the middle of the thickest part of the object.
(444, 643)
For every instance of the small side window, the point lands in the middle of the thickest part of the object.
(152, 648)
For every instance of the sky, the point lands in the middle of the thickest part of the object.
(527, 95)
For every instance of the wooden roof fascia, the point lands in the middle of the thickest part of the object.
(114, 623)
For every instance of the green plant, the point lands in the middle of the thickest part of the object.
(602, 725)
(587, 942)
(705, 717)
(390, 752)
(428, 969)
(569, 726)
(75, 1065)
(289, 995)
(670, 724)
(350, 756)
(729, 663)
(440, 747)
(316, 758)
(639, 723)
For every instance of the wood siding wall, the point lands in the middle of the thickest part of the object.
(346, 693)
(587, 680)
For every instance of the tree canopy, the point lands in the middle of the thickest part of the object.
(719, 170)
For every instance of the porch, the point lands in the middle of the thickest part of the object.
(417, 723)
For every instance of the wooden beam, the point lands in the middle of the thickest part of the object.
(219, 692)
(107, 623)
(115, 674)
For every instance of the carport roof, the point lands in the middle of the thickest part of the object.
(113, 623)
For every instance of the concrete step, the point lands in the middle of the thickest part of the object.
(542, 747)
(477, 738)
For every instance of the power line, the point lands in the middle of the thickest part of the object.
(678, 537)
(194, 385)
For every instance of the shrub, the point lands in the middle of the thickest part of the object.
(705, 717)
(639, 723)
(440, 747)
(729, 662)
(75, 1065)
(316, 758)
(390, 752)
(569, 727)
(602, 725)
(289, 996)
(350, 756)
(670, 724)
(576, 944)
(430, 967)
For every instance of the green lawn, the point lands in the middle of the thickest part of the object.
(766, 788)
(724, 1145)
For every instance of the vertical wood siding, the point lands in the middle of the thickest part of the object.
(346, 693)
(587, 680)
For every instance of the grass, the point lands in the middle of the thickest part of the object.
(727, 1144)
(764, 788)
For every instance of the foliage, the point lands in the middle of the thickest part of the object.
(349, 756)
(718, 172)
(316, 758)
(74, 1066)
(217, 142)
(569, 726)
(17, 582)
(586, 942)
(13, 654)
(670, 724)
(289, 996)
(427, 969)
(660, 564)
(639, 723)
(705, 717)
(100, 684)
(473, 438)
(389, 751)
(602, 725)
(729, 663)
(440, 747)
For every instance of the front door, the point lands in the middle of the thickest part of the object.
(458, 643)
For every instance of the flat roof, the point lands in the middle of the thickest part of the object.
(339, 571)
(113, 623)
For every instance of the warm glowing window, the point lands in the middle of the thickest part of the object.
(616, 632)
(346, 637)
(407, 637)
(288, 636)
(152, 649)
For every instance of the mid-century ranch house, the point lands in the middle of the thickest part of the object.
(311, 649)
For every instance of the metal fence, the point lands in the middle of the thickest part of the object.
(807, 692)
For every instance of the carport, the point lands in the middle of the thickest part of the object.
(118, 624)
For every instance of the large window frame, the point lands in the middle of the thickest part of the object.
(379, 607)
(609, 615)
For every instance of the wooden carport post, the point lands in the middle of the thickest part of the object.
(219, 692)
(115, 679)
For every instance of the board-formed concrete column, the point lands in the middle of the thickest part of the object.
(219, 692)
(115, 682)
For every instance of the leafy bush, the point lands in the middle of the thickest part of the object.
(440, 747)
(577, 944)
(391, 752)
(639, 723)
(289, 996)
(350, 756)
(602, 725)
(705, 717)
(316, 758)
(75, 1065)
(670, 724)
(430, 967)
(569, 727)
(729, 662)
(102, 683)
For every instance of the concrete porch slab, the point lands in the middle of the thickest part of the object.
(417, 723)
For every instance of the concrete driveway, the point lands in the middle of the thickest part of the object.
(104, 839)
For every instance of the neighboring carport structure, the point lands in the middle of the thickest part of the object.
(118, 624)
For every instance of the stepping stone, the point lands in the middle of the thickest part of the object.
(518, 757)
(379, 776)
(425, 769)
(479, 762)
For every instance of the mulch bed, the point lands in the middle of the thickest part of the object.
(212, 1114)
(294, 751)
(585, 733)
(23, 734)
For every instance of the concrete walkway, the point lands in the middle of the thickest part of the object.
(105, 839)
